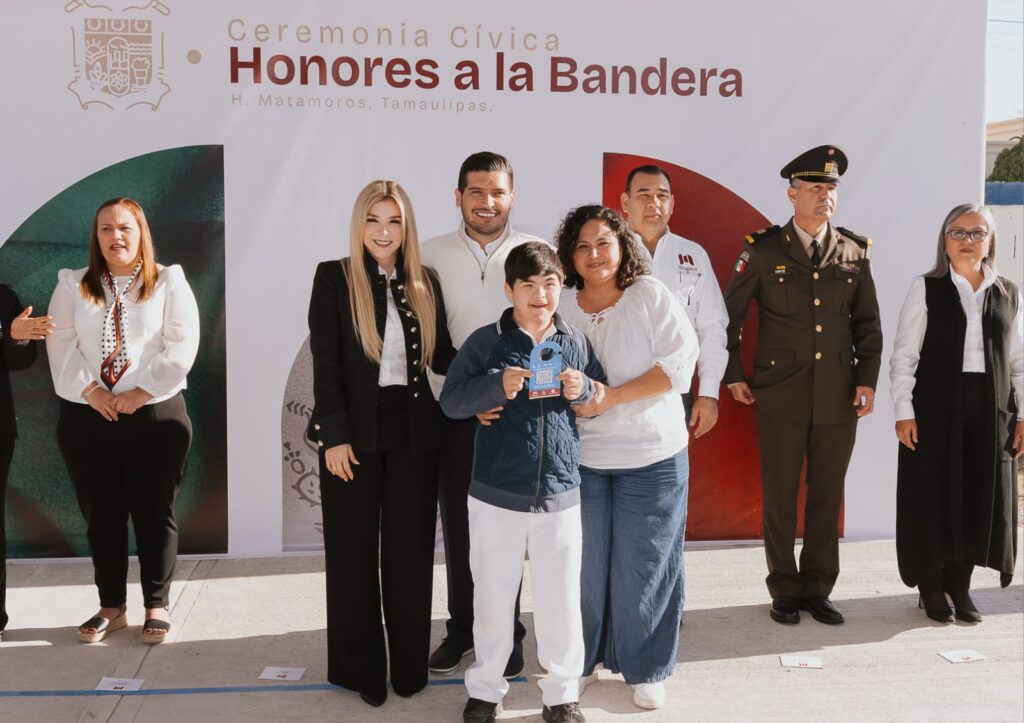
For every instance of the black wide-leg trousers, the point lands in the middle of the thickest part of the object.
(6, 452)
(130, 468)
(379, 554)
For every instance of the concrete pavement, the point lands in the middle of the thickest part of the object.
(232, 617)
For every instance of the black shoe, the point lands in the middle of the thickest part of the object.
(480, 711)
(933, 600)
(447, 656)
(957, 582)
(785, 610)
(564, 713)
(515, 661)
(822, 609)
(374, 699)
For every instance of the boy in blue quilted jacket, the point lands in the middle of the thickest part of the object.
(525, 490)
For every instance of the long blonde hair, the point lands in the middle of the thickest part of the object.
(418, 288)
(91, 286)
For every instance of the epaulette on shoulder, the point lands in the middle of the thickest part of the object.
(753, 238)
(862, 241)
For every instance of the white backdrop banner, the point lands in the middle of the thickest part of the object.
(312, 100)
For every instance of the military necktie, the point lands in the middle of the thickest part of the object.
(815, 252)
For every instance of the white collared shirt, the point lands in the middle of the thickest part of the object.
(910, 332)
(393, 361)
(806, 239)
(645, 328)
(163, 337)
(685, 268)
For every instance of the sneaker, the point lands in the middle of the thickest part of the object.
(564, 713)
(515, 661)
(480, 711)
(586, 680)
(649, 695)
(447, 656)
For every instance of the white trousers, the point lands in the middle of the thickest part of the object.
(498, 542)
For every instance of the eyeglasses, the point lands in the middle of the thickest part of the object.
(977, 235)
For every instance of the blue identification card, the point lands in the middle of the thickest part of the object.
(545, 366)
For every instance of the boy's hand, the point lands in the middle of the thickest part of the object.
(572, 383)
(600, 403)
(513, 379)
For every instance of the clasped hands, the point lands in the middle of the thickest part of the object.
(109, 405)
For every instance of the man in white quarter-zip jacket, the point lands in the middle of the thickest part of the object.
(470, 263)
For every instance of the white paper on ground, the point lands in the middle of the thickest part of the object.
(962, 656)
(800, 661)
(272, 672)
(120, 683)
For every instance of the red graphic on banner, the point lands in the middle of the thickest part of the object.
(725, 464)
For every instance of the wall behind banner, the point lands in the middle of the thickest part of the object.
(182, 192)
(312, 100)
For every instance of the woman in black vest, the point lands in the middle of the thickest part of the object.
(957, 374)
(376, 321)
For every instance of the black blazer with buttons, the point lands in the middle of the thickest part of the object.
(12, 357)
(345, 385)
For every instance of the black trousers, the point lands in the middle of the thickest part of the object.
(128, 468)
(785, 445)
(6, 452)
(379, 552)
(456, 472)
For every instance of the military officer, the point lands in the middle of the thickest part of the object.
(818, 354)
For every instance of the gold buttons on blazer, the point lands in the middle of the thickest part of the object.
(817, 355)
(316, 427)
(817, 328)
(415, 345)
(815, 274)
(416, 379)
(320, 443)
(412, 329)
(772, 362)
(817, 302)
(415, 394)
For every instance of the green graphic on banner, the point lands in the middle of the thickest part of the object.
(182, 192)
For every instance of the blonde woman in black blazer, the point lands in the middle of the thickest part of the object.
(376, 321)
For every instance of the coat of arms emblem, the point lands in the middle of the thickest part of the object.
(118, 58)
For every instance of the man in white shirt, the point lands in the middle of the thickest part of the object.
(470, 263)
(685, 268)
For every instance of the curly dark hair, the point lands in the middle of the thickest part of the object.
(633, 265)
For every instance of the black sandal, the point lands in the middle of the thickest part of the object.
(155, 631)
(103, 626)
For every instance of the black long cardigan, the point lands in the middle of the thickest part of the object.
(12, 357)
(930, 481)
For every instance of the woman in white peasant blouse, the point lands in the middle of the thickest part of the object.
(127, 332)
(633, 459)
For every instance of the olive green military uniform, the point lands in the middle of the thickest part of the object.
(819, 338)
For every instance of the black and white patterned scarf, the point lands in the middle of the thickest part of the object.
(114, 339)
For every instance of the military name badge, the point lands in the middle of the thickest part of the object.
(741, 264)
(545, 366)
(780, 270)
